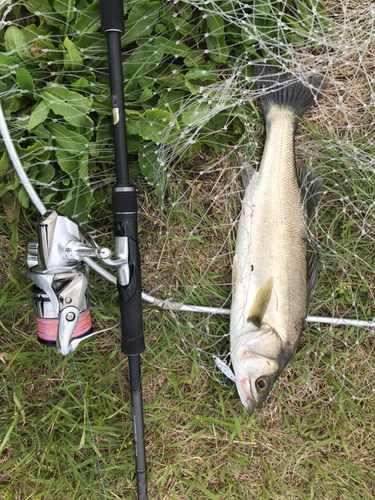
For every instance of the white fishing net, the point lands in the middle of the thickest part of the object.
(194, 123)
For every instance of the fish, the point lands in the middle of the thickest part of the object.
(274, 269)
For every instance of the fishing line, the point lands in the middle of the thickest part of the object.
(89, 422)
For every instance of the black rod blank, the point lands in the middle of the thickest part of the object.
(125, 226)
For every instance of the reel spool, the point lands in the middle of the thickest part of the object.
(48, 320)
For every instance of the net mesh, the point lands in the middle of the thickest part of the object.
(194, 124)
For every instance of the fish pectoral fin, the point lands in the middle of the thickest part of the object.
(260, 303)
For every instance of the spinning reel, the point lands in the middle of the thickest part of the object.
(56, 265)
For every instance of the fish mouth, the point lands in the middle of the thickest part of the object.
(246, 395)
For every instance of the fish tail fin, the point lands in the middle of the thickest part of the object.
(280, 90)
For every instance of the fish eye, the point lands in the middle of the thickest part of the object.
(262, 384)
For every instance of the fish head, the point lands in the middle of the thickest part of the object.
(257, 359)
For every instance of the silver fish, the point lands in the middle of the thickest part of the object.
(272, 278)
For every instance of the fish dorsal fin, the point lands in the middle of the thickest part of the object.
(260, 303)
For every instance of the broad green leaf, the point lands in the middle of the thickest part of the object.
(24, 79)
(46, 173)
(39, 114)
(171, 47)
(186, 11)
(261, 7)
(194, 114)
(81, 83)
(65, 8)
(160, 29)
(215, 25)
(4, 163)
(69, 162)
(194, 59)
(89, 19)
(140, 22)
(153, 171)
(7, 63)
(15, 43)
(71, 145)
(31, 32)
(78, 203)
(146, 94)
(32, 151)
(66, 139)
(69, 104)
(196, 78)
(72, 58)
(185, 28)
(141, 60)
(154, 123)
(41, 6)
(171, 100)
(23, 197)
(218, 48)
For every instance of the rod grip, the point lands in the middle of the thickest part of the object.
(133, 341)
(142, 486)
(112, 15)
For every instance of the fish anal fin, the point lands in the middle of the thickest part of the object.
(260, 303)
(313, 260)
(311, 188)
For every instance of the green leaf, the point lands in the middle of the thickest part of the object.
(89, 19)
(69, 104)
(196, 78)
(78, 202)
(152, 125)
(23, 197)
(218, 48)
(24, 79)
(153, 172)
(15, 43)
(46, 173)
(4, 163)
(141, 60)
(170, 47)
(72, 58)
(185, 28)
(195, 59)
(193, 114)
(171, 100)
(146, 94)
(215, 25)
(65, 8)
(140, 22)
(186, 12)
(7, 63)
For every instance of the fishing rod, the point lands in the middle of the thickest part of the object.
(124, 205)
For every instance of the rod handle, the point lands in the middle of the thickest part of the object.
(133, 341)
(142, 485)
(112, 15)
